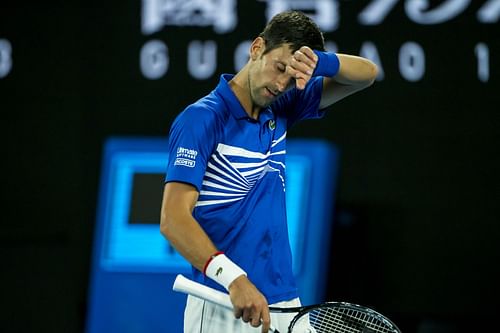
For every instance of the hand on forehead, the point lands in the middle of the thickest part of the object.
(301, 66)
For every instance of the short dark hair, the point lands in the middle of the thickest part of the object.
(295, 28)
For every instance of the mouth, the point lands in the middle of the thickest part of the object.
(271, 93)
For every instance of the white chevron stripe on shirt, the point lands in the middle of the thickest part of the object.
(242, 152)
(224, 179)
(254, 171)
(222, 194)
(249, 165)
(230, 167)
(213, 167)
(222, 187)
(275, 142)
(215, 202)
(280, 163)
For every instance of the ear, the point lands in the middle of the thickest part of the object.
(257, 48)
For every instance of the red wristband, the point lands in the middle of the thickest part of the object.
(209, 260)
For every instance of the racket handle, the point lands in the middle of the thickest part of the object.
(190, 287)
(187, 286)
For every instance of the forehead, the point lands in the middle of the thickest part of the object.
(282, 53)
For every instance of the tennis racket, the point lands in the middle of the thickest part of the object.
(329, 317)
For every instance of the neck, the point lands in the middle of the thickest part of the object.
(239, 85)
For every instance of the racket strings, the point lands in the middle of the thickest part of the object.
(331, 320)
(345, 320)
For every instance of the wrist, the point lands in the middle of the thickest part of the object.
(222, 270)
(237, 283)
(328, 64)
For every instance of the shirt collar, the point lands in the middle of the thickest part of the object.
(234, 105)
(228, 96)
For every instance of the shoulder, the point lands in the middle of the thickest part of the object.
(208, 111)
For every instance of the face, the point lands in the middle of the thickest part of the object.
(267, 76)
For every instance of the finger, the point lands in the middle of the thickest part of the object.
(266, 320)
(302, 66)
(255, 318)
(309, 53)
(300, 84)
(247, 316)
(300, 78)
(237, 313)
(306, 56)
(255, 322)
(297, 74)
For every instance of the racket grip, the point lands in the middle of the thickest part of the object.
(187, 286)
(190, 287)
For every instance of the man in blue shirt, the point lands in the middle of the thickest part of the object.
(224, 198)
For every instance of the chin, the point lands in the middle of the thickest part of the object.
(264, 104)
(261, 100)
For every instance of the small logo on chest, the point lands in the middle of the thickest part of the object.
(272, 124)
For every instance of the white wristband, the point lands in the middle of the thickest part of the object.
(223, 271)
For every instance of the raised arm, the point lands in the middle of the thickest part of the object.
(190, 240)
(343, 74)
(355, 73)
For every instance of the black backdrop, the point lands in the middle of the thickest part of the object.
(416, 226)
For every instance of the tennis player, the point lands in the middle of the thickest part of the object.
(224, 198)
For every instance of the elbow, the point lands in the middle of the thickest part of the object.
(177, 206)
(171, 221)
(365, 74)
(166, 224)
(371, 73)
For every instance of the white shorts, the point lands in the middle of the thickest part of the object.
(204, 317)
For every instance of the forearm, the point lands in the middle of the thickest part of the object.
(354, 74)
(188, 237)
(355, 71)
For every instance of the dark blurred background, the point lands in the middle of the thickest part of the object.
(417, 214)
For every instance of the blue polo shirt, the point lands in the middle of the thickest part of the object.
(238, 166)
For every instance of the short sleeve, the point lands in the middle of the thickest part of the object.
(298, 104)
(192, 139)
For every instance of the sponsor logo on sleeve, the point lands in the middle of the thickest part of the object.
(186, 157)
